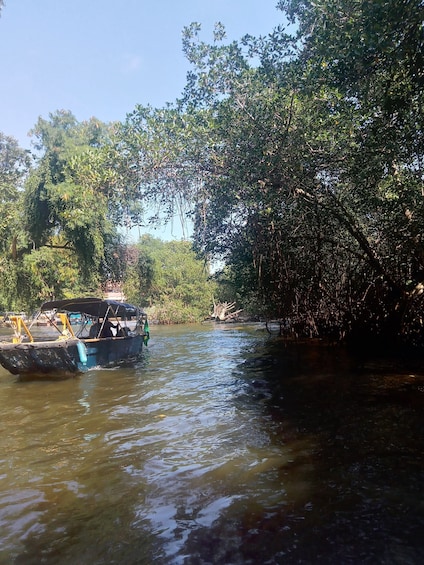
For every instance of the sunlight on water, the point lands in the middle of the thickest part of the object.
(211, 450)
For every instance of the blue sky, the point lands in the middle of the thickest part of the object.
(102, 57)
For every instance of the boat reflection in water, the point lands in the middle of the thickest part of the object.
(71, 351)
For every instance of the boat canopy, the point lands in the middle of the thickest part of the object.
(95, 307)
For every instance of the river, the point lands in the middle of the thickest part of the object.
(222, 446)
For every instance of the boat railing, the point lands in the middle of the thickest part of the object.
(60, 321)
(22, 330)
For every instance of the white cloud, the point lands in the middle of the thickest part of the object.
(131, 63)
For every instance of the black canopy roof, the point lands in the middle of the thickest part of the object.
(93, 307)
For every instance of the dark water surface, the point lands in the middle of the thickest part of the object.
(223, 446)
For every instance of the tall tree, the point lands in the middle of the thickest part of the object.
(372, 54)
(67, 199)
(302, 178)
(14, 167)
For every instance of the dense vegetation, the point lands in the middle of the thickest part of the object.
(169, 281)
(60, 234)
(298, 156)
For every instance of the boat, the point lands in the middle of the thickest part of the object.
(108, 333)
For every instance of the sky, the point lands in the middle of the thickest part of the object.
(100, 58)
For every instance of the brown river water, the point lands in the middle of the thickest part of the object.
(222, 446)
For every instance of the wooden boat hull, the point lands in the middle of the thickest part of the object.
(69, 356)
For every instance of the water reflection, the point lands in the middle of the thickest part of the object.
(221, 446)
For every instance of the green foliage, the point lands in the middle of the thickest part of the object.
(158, 149)
(61, 224)
(49, 273)
(167, 278)
(371, 55)
(41, 275)
(9, 297)
(14, 167)
(309, 181)
(70, 195)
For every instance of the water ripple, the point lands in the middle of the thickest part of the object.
(216, 448)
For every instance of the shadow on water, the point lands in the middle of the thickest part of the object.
(222, 446)
(345, 483)
(363, 465)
